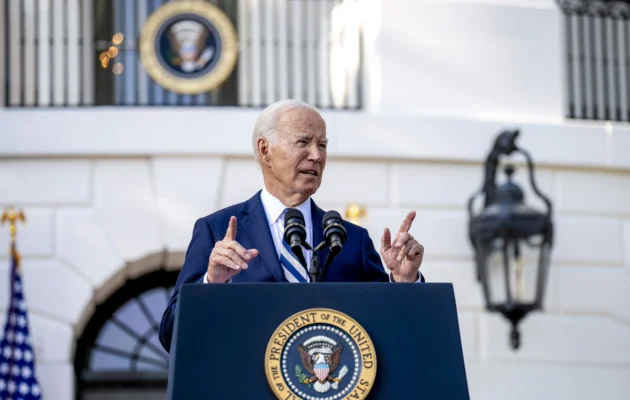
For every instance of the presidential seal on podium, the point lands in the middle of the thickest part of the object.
(319, 354)
(188, 47)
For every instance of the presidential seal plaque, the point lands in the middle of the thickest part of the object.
(320, 354)
(188, 47)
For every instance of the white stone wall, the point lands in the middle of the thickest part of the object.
(482, 58)
(88, 217)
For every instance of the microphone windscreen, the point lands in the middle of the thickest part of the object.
(331, 216)
(294, 225)
(293, 213)
(333, 226)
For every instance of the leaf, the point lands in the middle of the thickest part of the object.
(301, 376)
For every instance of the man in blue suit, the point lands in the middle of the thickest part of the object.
(244, 242)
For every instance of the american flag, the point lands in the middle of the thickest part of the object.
(17, 361)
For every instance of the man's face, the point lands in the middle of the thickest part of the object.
(298, 157)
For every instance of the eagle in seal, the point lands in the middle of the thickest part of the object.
(188, 41)
(321, 363)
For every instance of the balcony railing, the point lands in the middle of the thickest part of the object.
(597, 37)
(51, 54)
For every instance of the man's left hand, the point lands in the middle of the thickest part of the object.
(404, 257)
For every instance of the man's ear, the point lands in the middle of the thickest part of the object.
(263, 150)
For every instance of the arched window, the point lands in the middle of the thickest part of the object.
(119, 355)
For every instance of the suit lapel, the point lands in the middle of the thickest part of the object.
(317, 214)
(255, 226)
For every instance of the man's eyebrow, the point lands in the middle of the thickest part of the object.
(307, 136)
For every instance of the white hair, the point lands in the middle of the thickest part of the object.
(267, 122)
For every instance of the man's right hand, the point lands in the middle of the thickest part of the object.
(228, 257)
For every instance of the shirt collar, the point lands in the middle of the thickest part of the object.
(274, 207)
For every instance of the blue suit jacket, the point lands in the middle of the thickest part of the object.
(358, 261)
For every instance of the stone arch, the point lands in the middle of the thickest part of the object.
(135, 276)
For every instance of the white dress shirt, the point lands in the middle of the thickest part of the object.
(274, 210)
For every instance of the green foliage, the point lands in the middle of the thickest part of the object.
(301, 376)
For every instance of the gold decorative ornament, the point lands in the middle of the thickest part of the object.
(12, 216)
(355, 213)
(189, 47)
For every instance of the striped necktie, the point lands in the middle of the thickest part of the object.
(293, 270)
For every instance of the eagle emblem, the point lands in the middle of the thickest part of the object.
(320, 357)
(188, 41)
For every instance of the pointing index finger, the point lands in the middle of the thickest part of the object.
(230, 234)
(406, 224)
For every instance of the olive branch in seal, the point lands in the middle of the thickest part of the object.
(301, 376)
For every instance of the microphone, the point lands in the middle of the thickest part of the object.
(295, 232)
(334, 234)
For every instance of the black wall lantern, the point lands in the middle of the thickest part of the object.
(512, 241)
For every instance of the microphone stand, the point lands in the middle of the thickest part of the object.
(314, 269)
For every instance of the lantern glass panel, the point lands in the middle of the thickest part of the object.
(544, 261)
(512, 270)
(495, 273)
(524, 270)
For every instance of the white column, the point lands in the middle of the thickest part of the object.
(589, 72)
(130, 56)
(296, 46)
(30, 81)
(371, 50)
(575, 71)
(256, 53)
(72, 71)
(599, 96)
(15, 52)
(143, 77)
(118, 26)
(623, 73)
(337, 72)
(87, 54)
(611, 24)
(282, 53)
(59, 53)
(324, 48)
(44, 64)
(159, 93)
(352, 52)
(244, 68)
(269, 39)
(3, 55)
(311, 78)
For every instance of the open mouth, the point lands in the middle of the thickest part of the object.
(309, 172)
